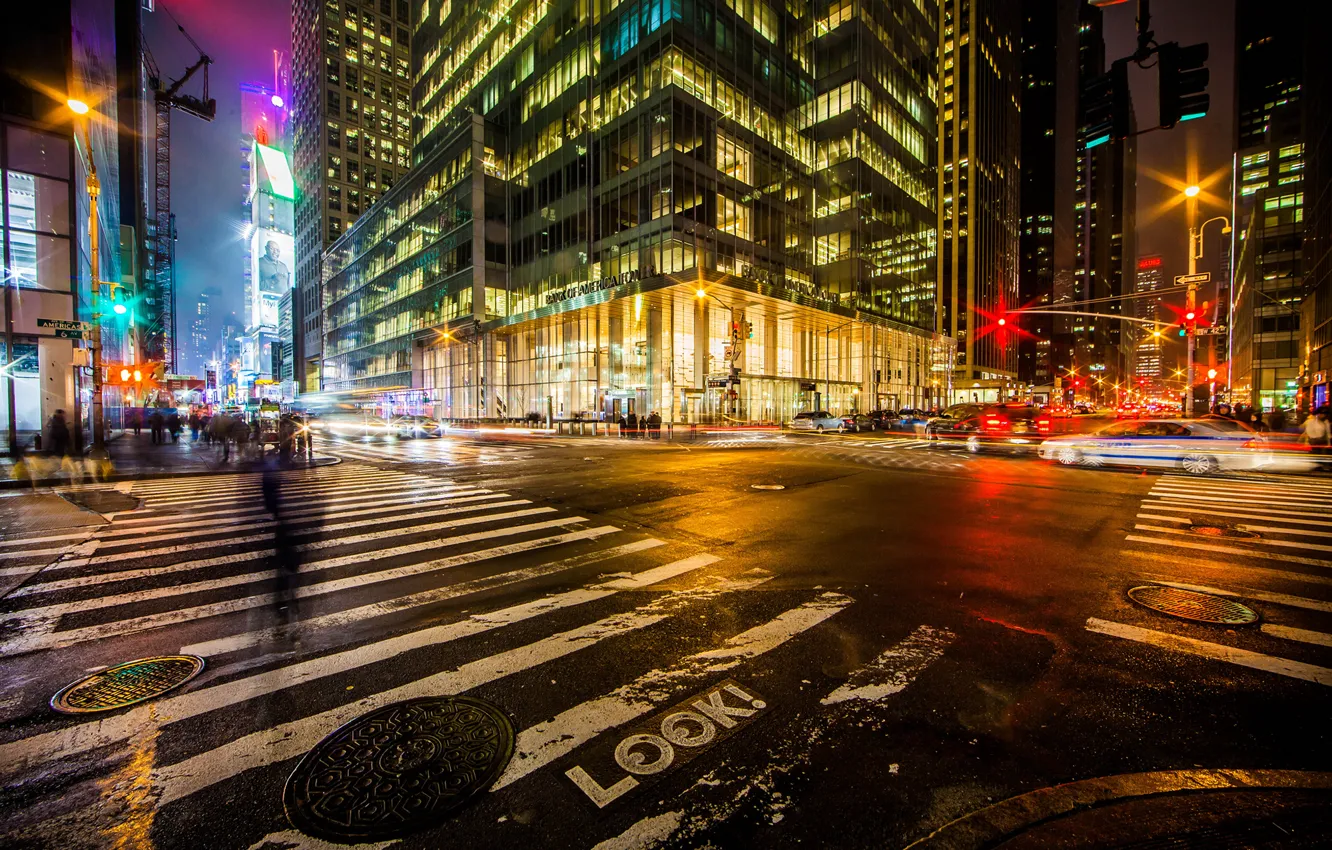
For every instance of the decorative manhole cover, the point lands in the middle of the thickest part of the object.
(1191, 605)
(1222, 531)
(399, 768)
(768, 486)
(128, 683)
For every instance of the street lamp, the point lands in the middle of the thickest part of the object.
(1192, 191)
(1195, 254)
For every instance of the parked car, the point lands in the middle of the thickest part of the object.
(820, 420)
(989, 426)
(857, 422)
(909, 419)
(883, 419)
(1196, 446)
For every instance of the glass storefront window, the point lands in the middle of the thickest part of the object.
(39, 262)
(38, 153)
(38, 203)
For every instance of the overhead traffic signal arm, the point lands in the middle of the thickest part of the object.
(1182, 82)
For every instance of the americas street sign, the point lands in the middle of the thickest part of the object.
(1200, 277)
(68, 333)
(63, 325)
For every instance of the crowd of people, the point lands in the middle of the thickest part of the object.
(633, 427)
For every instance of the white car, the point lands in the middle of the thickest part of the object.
(1197, 446)
(820, 421)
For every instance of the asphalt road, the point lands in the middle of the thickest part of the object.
(896, 638)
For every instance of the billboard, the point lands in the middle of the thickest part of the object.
(271, 253)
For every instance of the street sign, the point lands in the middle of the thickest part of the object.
(68, 333)
(63, 325)
(1200, 277)
(1213, 331)
(718, 382)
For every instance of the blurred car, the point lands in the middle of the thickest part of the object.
(1196, 446)
(356, 425)
(418, 426)
(989, 426)
(857, 422)
(816, 420)
(909, 419)
(1129, 411)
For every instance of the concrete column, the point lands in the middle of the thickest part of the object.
(656, 400)
(701, 343)
(769, 345)
(55, 376)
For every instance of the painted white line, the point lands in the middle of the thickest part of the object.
(304, 530)
(1214, 651)
(1282, 482)
(1230, 550)
(1301, 635)
(1270, 517)
(539, 745)
(1202, 497)
(1246, 486)
(895, 668)
(646, 833)
(340, 488)
(127, 536)
(351, 540)
(37, 632)
(306, 628)
(62, 743)
(291, 739)
(1261, 595)
(1166, 518)
(89, 531)
(1266, 541)
(1203, 508)
(233, 485)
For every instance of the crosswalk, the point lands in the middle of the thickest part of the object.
(447, 451)
(408, 585)
(1264, 541)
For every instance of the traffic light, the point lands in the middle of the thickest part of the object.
(749, 329)
(1182, 82)
(1106, 109)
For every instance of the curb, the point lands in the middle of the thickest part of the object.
(12, 484)
(990, 826)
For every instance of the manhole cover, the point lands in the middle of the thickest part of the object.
(399, 768)
(1222, 531)
(768, 486)
(128, 683)
(1191, 605)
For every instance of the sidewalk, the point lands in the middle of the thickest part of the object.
(132, 457)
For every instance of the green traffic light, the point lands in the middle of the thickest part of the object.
(1181, 332)
(120, 309)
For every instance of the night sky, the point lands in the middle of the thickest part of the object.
(240, 35)
(206, 194)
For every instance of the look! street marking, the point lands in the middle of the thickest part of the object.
(673, 737)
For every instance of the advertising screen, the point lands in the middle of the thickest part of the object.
(271, 256)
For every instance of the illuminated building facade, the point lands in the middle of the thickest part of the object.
(979, 185)
(713, 211)
(1146, 366)
(1269, 205)
(351, 92)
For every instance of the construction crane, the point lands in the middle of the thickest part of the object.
(159, 341)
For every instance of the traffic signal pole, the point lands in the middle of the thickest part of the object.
(1190, 307)
(94, 261)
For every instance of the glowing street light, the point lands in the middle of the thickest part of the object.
(77, 106)
(1003, 322)
(701, 293)
(1192, 191)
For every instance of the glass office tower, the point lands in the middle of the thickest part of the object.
(715, 211)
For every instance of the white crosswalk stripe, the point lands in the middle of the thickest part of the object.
(1274, 524)
(409, 585)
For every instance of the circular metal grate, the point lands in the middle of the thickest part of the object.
(1222, 531)
(1191, 605)
(398, 768)
(127, 684)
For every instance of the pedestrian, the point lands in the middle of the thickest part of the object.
(633, 424)
(239, 432)
(58, 434)
(173, 425)
(286, 554)
(1317, 433)
(286, 439)
(155, 424)
(136, 420)
(220, 429)
(194, 426)
(205, 427)
(654, 425)
(307, 431)
(624, 424)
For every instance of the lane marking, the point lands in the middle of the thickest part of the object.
(1261, 595)
(1301, 635)
(305, 629)
(1266, 541)
(291, 739)
(1230, 550)
(1270, 517)
(1294, 503)
(1214, 651)
(33, 751)
(543, 743)
(895, 668)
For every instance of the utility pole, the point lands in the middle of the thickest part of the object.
(94, 262)
(1190, 305)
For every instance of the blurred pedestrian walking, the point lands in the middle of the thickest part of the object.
(287, 562)
(194, 426)
(1317, 433)
(155, 424)
(57, 430)
(173, 425)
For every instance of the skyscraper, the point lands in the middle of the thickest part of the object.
(204, 328)
(352, 139)
(716, 213)
(1050, 88)
(1269, 205)
(980, 178)
(1147, 366)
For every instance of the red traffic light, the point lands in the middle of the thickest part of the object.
(1003, 322)
(1189, 315)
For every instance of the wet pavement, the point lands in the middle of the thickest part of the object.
(883, 651)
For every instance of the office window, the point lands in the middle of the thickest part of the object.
(335, 197)
(353, 141)
(335, 168)
(332, 69)
(334, 135)
(352, 79)
(334, 103)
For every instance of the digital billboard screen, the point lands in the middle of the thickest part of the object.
(271, 254)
